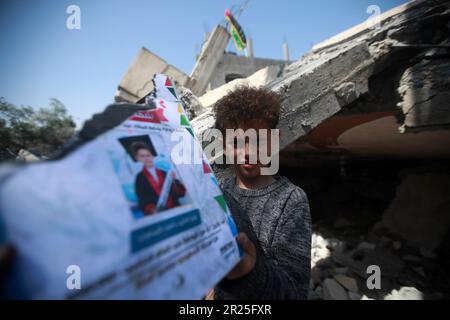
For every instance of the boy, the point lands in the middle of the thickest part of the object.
(271, 213)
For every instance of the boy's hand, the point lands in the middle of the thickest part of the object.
(248, 261)
(210, 295)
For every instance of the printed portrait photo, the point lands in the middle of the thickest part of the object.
(156, 184)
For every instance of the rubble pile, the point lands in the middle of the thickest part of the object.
(361, 219)
(339, 268)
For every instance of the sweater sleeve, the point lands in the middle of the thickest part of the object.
(285, 272)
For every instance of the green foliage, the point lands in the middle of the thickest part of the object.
(39, 131)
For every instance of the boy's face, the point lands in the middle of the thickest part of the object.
(145, 157)
(244, 150)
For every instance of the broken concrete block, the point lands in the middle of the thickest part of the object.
(312, 295)
(319, 292)
(210, 55)
(258, 79)
(192, 105)
(425, 92)
(137, 82)
(348, 283)
(318, 241)
(346, 93)
(354, 296)
(316, 275)
(320, 258)
(336, 244)
(333, 291)
(405, 293)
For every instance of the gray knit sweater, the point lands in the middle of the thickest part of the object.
(277, 219)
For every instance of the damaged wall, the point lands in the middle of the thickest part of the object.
(136, 83)
(239, 67)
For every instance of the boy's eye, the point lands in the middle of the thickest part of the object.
(243, 140)
(239, 141)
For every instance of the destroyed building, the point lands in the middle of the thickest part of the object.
(365, 132)
(214, 68)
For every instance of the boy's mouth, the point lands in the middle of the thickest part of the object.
(247, 165)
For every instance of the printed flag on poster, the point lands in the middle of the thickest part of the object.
(122, 217)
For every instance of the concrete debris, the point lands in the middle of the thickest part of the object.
(319, 250)
(258, 79)
(26, 156)
(316, 276)
(348, 283)
(419, 211)
(193, 106)
(346, 93)
(137, 83)
(319, 256)
(333, 291)
(405, 293)
(346, 270)
(319, 292)
(425, 92)
(336, 245)
(318, 241)
(354, 296)
(210, 55)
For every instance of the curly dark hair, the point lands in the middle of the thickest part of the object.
(138, 145)
(247, 103)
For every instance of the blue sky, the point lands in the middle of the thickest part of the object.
(40, 58)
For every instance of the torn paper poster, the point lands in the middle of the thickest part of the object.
(120, 218)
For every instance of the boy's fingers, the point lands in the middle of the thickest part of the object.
(248, 261)
(246, 244)
(242, 240)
